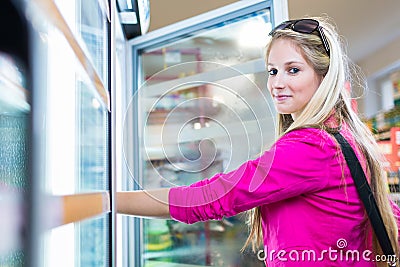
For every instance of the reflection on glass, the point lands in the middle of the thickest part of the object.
(92, 122)
(229, 44)
(204, 111)
(92, 26)
(92, 138)
(75, 130)
(14, 132)
(87, 20)
(94, 242)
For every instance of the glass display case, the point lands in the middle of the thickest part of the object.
(15, 112)
(14, 146)
(201, 107)
(197, 107)
(71, 220)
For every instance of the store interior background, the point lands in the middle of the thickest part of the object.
(52, 118)
(370, 29)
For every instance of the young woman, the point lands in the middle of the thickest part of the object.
(302, 202)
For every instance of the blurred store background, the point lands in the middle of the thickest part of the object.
(100, 95)
(373, 39)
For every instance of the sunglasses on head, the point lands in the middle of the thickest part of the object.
(303, 26)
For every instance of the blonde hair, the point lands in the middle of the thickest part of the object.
(331, 96)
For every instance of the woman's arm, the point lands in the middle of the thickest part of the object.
(150, 203)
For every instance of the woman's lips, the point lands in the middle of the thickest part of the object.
(282, 97)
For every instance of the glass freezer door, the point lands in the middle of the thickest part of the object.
(200, 107)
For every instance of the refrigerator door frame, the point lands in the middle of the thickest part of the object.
(133, 249)
(46, 210)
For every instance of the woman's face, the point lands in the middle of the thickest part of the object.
(292, 81)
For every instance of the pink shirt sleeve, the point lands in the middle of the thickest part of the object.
(298, 163)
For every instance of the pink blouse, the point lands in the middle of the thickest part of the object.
(311, 213)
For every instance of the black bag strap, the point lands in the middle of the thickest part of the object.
(365, 193)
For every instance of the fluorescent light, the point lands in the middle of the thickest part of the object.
(254, 34)
(197, 125)
(128, 17)
(129, 4)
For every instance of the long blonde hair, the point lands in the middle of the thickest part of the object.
(331, 95)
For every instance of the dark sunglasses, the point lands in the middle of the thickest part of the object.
(303, 26)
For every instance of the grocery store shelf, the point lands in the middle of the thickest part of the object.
(163, 140)
(77, 207)
(382, 136)
(83, 206)
(204, 78)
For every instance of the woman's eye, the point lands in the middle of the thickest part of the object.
(272, 72)
(294, 70)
